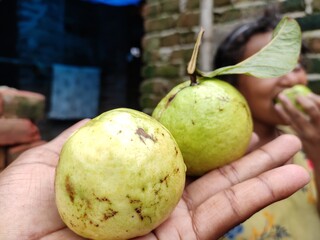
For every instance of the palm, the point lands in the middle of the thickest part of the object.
(31, 179)
(209, 206)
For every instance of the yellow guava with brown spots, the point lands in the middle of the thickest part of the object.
(119, 176)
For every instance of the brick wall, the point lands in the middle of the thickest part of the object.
(19, 113)
(172, 25)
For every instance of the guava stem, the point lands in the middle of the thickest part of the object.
(193, 79)
(193, 61)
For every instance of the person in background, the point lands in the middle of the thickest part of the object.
(296, 217)
(115, 34)
(209, 207)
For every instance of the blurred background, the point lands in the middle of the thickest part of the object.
(83, 56)
(74, 59)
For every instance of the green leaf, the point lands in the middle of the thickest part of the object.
(277, 58)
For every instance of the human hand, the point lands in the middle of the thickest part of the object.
(305, 124)
(209, 207)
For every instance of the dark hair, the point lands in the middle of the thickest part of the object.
(231, 50)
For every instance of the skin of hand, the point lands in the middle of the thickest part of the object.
(209, 207)
(306, 125)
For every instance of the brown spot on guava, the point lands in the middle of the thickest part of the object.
(170, 99)
(165, 179)
(143, 135)
(173, 96)
(137, 207)
(88, 203)
(223, 98)
(132, 201)
(72, 224)
(138, 211)
(69, 188)
(103, 199)
(109, 214)
(142, 217)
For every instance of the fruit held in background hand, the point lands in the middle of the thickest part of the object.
(210, 120)
(119, 176)
(295, 91)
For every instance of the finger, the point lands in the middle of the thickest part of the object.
(48, 153)
(296, 118)
(253, 142)
(269, 156)
(315, 97)
(279, 108)
(57, 143)
(64, 233)
(288, 106)
(232, 206)
(310, 107)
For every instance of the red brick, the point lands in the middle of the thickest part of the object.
(15, 131)
(14, 151)
(21, 104)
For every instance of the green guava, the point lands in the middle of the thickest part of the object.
(210, 120)
(295, 91)
(119, 176)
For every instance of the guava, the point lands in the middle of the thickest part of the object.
(210, 120)
(119, 176)
(295, 91)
